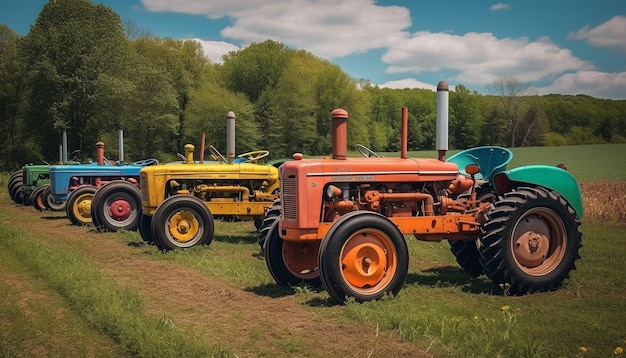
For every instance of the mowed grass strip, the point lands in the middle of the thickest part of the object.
(114, 311)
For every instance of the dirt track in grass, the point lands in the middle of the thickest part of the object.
(243, 322)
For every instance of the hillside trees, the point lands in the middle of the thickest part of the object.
(76, 71)
(75, 54)
(465, 119)
(511, 94)
(13, 91)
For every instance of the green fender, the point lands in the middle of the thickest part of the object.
(550, 177)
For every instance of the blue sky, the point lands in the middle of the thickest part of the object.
(555, 46)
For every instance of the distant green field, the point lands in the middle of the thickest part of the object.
(587, 163)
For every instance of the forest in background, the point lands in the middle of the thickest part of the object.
(82, 70)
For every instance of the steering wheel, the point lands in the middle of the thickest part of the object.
(253, 156)
(75, 155)
(365, 151)
(181, 157)
(215, 154)
(146, 162)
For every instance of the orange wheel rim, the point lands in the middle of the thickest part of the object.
(368, 260)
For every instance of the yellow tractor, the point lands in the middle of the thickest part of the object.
(180, 200)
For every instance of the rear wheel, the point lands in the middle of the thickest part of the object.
(50, 203)
(272, 215)
(15, 177)
(79, 204)
(16, 191)
(467, 256)
(117, 206)
(530, 241)
(145, 222)
(182, 221)
(364, 256)
(291, 263)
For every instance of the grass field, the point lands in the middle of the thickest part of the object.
(63, 293)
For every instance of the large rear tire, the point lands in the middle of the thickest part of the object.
(79, 205)
(530, 241)
(116, 206)
(363, 256)
(291, 263)
(182, 221)
(16, 191)
(467, 256)
(272, 215)
(145, 222)
(50, 203)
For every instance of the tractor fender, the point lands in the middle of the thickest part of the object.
(345, 218)
(549, 177)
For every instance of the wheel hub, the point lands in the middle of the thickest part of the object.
(531, 249)
(84, 209)
(365, 265)
(183, 226)
(120, 210)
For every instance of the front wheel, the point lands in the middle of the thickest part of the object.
(364, 256)
(530, 241)
(78, 207)
(182, 221)
(117, 206)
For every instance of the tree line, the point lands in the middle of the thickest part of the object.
(81, 70)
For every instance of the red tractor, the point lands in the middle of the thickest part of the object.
(342, 221)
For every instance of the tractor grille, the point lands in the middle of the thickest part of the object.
(288, 193)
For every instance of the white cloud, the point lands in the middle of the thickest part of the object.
(214, 50)
(326, 28)
(335, 29)
(499, 6)
(480, 58)
(593, 83)
(611, 34)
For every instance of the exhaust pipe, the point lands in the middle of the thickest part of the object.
(121, 145)
(339, 118)
(404, 136)
(230, 136)
(100, 153)
(442, 120)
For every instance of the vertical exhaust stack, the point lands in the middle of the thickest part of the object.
(121, 145)
(404, 136)
(442, 120)
(100, 153)
(230, 136)
(339, 118)
(64, 159)
(202, 147)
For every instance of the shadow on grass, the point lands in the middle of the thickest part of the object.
(272, 290)
(237, 239)
(46, 217)
(451, 276)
